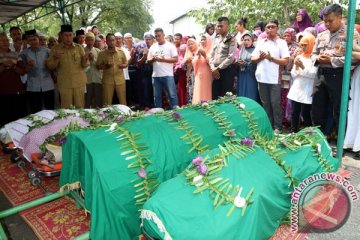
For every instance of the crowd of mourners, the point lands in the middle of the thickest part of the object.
(296, 74)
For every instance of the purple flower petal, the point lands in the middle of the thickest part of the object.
(62, 140)
(142, 173)
(247, 141)
(119, 119)
(202, 169)
(309, 131)
(197, 161)
(176, 115)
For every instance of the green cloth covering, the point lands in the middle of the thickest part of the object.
(186, 215)
(92, 158)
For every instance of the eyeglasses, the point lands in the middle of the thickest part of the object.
(271, 26)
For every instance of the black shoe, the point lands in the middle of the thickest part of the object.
(357, 155)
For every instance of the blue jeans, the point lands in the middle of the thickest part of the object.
(166, 83)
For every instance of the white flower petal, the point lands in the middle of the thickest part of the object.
(197, 180)
(112, 127)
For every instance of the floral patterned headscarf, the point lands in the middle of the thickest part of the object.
(292, 33)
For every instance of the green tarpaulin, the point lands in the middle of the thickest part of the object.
(92, 158)
(175, 212)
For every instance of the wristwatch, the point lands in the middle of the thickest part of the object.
(271, 59)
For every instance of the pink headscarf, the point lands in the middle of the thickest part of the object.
(181, 52)
(208, 43)
(257, 33)
(263, 35)
(292, 33)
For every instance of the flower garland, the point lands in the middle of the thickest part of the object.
(38, 121)
(194, 139)
(202, 173)
(145, 182)
(270, 146)
(219, 118)
(307, 137)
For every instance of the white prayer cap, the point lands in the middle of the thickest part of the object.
(127, 35)
(118, 34)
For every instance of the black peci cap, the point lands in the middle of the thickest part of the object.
(66, 28)
(31, 32)
(80, 32)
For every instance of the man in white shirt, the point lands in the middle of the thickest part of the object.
(269, 54)
(163, 55)
(93, 96)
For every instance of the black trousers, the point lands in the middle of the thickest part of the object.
(132, 97)
(304, 110)
(224, 84)
(39, 99)
(328, 91)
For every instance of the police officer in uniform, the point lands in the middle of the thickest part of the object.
(328, 55)
(222, 58)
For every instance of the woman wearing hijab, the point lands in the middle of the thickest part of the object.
(191, 50)
(180, 74)
(202, 72)
(303, 73)
(320, 26)
(247, 85)
(302, 20)
(286, 81)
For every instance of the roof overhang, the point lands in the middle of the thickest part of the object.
(12, 9)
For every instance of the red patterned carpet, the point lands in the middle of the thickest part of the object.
(56, 220)
(284, 233)
(16, 186)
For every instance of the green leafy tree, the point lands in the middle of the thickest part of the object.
(109, 15)
(260, 10)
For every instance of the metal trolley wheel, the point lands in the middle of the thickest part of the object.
(35, 181)
(32, 174)
(21, 163)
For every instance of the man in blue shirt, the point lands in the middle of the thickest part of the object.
(40, 85)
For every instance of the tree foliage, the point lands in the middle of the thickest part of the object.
(109, 15)
(260, 10)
